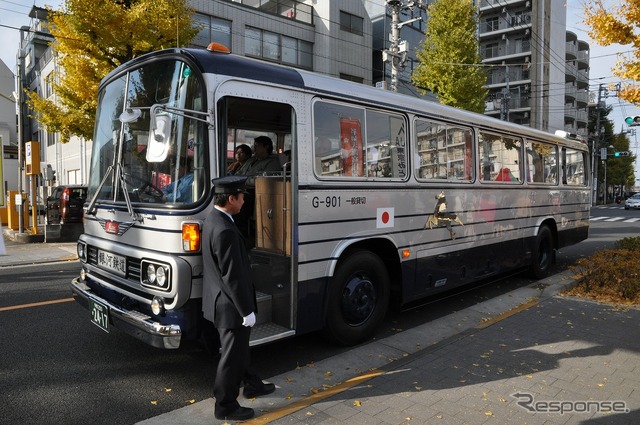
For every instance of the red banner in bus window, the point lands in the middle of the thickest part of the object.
(352, 153)
(160, 180)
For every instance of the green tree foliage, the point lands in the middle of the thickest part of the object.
(91, 39)
(449, 57)
(618, 24)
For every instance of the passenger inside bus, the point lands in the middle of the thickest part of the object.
(242, 154)
(180, 191)
(263, 162)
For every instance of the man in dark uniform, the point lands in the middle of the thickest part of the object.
(229, 300)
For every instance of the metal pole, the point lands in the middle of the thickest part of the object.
(597, 146)
(605, 183)
(395, 39)
(20, 146)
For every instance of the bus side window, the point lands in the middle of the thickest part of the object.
(500, 158)
(542, 162)
(443, 151)
(338, 145)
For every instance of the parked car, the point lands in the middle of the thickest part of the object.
(65, 204)
(42, 208)
(632, 202)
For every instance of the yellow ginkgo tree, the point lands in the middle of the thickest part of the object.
(91, 39)
(620, 23)
(449, 60)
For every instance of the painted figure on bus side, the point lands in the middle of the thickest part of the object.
(441, 217)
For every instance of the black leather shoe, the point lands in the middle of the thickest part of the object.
(240, 414)
(253, 392)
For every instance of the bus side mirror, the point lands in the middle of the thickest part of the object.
(159, 137)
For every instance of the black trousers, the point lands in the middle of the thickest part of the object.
(234, 363)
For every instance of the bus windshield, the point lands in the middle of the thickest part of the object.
(121, 169)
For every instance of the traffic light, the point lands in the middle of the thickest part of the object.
(623, 153)
(632, 121)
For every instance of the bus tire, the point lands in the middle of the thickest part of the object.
(544, 254)
(358, 299)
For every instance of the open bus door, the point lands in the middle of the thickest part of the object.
(270, 228)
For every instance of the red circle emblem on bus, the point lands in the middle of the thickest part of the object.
(385, 217)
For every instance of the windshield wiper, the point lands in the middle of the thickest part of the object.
(123, 185)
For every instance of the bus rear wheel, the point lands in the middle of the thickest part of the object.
(544, 254)
(358, 299)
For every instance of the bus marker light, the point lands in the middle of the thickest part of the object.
(406, 253)
(191, 237)
(218, 48)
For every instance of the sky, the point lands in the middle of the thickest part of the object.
(15, 13)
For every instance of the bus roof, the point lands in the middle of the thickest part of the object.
(259, 70)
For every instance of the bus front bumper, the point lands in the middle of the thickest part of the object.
(134, 323)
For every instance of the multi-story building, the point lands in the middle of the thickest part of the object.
(576, 112)
(523, 43)
(8, 135)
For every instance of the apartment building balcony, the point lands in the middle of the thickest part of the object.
(582, 79)
(570, 92)
(493, 4)
(504, 50)
(492, 25)
(570, 71)
(570, 114)
(582, 57)
(571, 50)
(516, 74)
(582, 117)
(517, 102)
(582, 98)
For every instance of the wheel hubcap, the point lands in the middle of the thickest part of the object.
(358, 300)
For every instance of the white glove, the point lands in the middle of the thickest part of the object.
(249, 320)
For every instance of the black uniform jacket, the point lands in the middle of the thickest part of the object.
(228, 294)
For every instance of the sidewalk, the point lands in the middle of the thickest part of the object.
(36, 252)
(517, 359)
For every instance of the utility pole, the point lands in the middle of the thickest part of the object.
(506, 97)
(603, 92)
(18, 96)
(397, 52)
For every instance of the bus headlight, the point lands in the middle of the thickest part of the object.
(151, 273)
(82, 251)
(161, 276)
(155, 275)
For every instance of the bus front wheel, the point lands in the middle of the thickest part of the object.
(358, 299)
(543, 254)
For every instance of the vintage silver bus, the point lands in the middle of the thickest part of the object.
(384, 197)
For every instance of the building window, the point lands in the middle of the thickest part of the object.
(351, 23)
(278, 48)
(48, 86)
(290, 9)
(212, 30)
(493, 24)
(51, 138)
(351, 78)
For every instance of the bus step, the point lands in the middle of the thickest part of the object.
(265, 308)
(267, 332)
